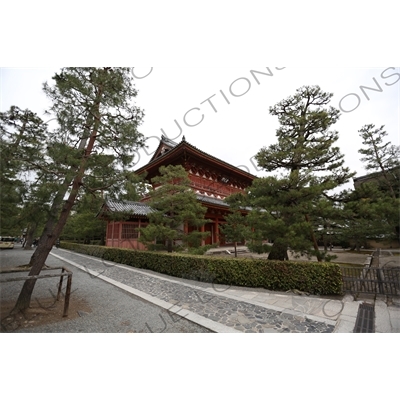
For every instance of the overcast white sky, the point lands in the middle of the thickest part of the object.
(237, 131)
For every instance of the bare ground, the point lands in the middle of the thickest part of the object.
(41, 312)
(342, 256)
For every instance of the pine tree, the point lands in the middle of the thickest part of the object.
(307, 166)
(82, 225)
(92, 149)
(369, 213)
(22, 140)
(236, 229)
(381, 157)
(35, 207)
(176, 210)
(382, 190)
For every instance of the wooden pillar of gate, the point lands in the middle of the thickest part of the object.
(216, 230)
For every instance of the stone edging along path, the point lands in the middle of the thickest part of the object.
(220, 313)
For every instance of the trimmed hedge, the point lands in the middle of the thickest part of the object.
(311, 277)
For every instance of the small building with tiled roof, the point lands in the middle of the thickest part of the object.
(124, 219)
(132, 208)
(212, 179)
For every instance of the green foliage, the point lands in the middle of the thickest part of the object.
(22, 140)
(199, 251)
(92, 149)
(11, 196)
(175, 206)
(382, 157)
(309, 167)
(259, 247)
(370, 214)
(315, 278)
(236, 229)
(372, 209)
(82, 225)
(98, 101)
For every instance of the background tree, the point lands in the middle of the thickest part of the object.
(83, 226)
(237, 228)
(176, 209)
(307, 165)
(382, 157)
(22, 139)
(282, 212)
(92, 149)
(11, 196)
(35, 208)
(258, 222)
(379, 195)
(328, 213)
(368, 214)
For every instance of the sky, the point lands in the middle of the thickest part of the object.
(224, 111)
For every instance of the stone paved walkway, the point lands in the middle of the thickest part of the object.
(240, 315)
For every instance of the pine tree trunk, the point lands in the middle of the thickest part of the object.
(278, 252)
(50, 234)
(169, 246)
(314, 240)
(325, 238)
(36, 263)
(29, 237)
(54, 226)
(316, 248)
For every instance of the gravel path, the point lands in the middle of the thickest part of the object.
(111, 309)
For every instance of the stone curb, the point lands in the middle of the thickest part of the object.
(173, 309)
(213, 291)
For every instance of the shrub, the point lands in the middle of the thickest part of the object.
(199, 251)
(311, 277)
(259, 248)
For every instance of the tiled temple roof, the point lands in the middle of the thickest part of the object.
(129, 207)
(175, 147)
